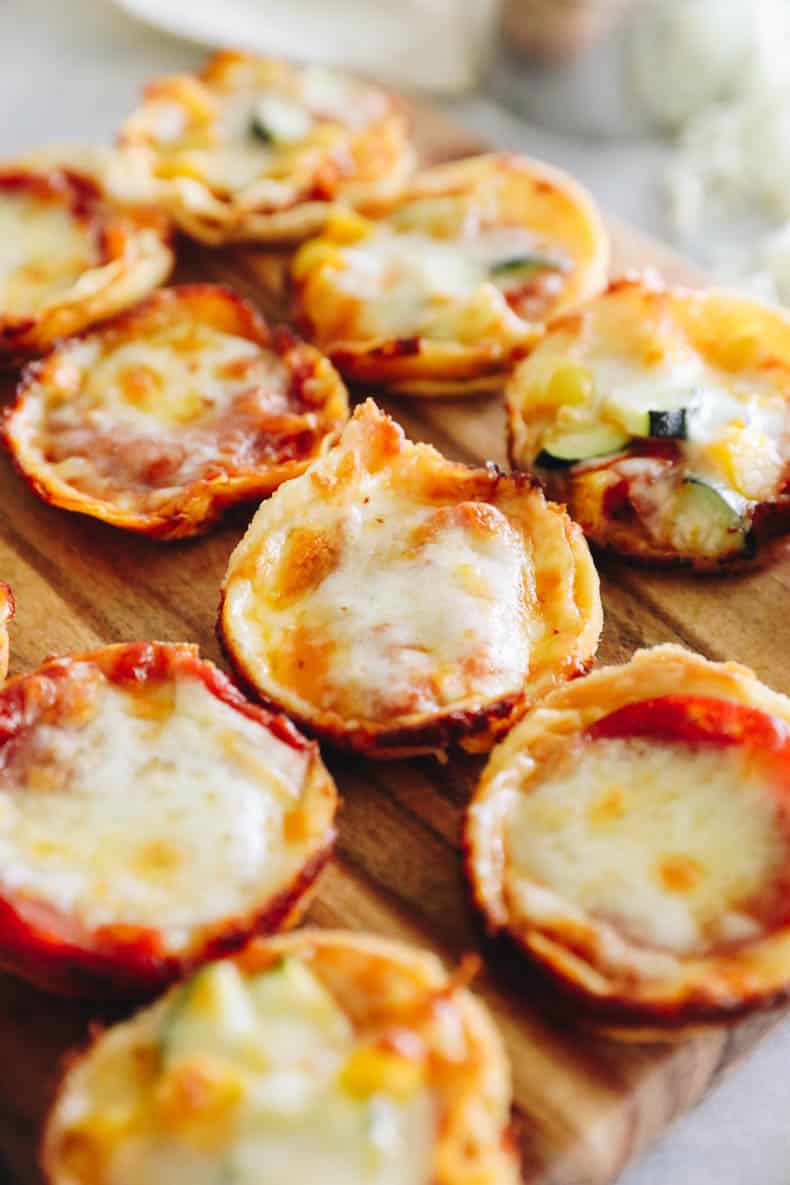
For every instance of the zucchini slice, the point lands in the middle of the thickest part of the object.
(669, 425)
(279, 121)
(666, 419)
(582, 444)
(662, 425)
(521, 267)
(707, 522)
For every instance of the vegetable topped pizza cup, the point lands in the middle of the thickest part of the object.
(71, 257)
(632, 835)
(396, 602)
(440, 296)
(258, 150)
(324, 1056)
(162, 419)
(661, 418)
(151, 818)
(6, 613)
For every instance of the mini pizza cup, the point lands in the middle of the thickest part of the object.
(258, 150)
(175, 411)
(73, 257)
(442, 294)
(321, 1055)
(151, 818)
(660, 417)
(6, 613)
(395, 602)
(631, 836)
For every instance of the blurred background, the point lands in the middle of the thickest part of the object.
(675, 113)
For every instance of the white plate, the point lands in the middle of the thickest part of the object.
(420, 43)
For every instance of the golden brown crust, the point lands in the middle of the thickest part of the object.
(347, 158)
(728, 331)
(147, 478)
(559, 597)
(60, 953)
(498, 191)
(7, 608)
(612, 981)
(377, 981)
(130, 248)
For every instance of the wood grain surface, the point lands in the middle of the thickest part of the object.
(585, 1105)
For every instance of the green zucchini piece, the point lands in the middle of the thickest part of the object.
(279, 121)
(582, 444)
(662, 414)
(668, 425)
(521, 266)
(707, 522)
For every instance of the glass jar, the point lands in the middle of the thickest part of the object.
(566, 64)
(557, 30)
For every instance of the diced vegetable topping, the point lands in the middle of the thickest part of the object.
(520, 267)
(707, 523)
(667, 424)
(652, 413)
(372, 1071)
(581, 444)
(569, 384)
(278, 121)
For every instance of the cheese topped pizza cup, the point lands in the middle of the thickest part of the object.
(632, 834)
(150, 818)
(165, 417)
(70, 257)
(6, 613)
(323, 1056)
(257, 150)
(394, 601)
(662, 418)
(441, 295)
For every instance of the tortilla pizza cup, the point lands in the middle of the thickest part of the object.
(258, 150)
(442, 294)
(6, 613)
(164, 418)
(73, 257)
(631, 835)
(324, 1055)
(151, 818)
(661, 417)
(395, 602)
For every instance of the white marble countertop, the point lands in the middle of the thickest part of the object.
(69, 71)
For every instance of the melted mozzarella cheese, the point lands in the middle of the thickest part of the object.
(256, 129)
(253, 1087)
(409, 282)
(228, 168)
(329, 94)
(671, 844)
(159, 411)
(171, 378)
(416, 613)
(127, 816)
(44, 250)
(745, 410)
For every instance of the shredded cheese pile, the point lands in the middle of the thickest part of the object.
(718, 73)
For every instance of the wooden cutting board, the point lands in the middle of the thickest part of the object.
(584, 1105)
